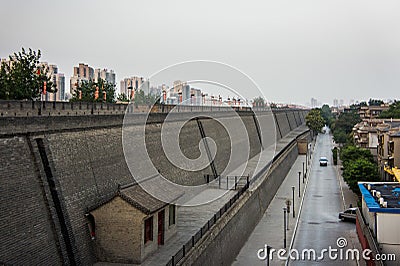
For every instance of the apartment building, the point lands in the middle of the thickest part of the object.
(84, 72)
(371, 112)
(388, 150)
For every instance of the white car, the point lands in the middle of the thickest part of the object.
(323, 161)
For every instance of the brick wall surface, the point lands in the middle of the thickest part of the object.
(25, 226)
(282, 123)
(118, 232)
(89, 166)
(189, 140)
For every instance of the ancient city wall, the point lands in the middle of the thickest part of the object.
(54, 168)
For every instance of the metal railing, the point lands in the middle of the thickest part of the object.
(205, 228)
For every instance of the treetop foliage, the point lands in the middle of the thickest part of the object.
(314, 120)
(91, 91)
(327, 115)
(392, 112)
(375, 102)
(22, 78)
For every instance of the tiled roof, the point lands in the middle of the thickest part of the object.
(135, 195)
(140, 199)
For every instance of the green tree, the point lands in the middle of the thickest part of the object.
(335, 155)
(143, 99)
(327, 114)
(122, 97)
(346, 121)
(259, 102)
(375, 102)
(351, 153)
(23, 78)
(392, 112)
(314, 120)
(86, 91)
(359, 170)
(340, 136)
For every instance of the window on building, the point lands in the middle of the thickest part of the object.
(148, 230)
(172, 209)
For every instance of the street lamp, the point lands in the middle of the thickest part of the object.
(287, 213)
(306, 158)
(293, 200)
(268, 251)
(130, 88)
(299, 183)
(284, 227)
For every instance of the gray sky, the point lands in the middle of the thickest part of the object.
(294, 50)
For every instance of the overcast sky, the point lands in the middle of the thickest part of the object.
(293, 50)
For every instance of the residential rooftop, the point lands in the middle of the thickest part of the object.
(381, 196)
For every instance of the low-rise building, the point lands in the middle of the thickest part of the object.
(388, 155)
(381, 212)
(372, 111)
(365, 136)
(131, 225)
(373, 134)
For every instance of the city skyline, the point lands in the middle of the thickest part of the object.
(292, 54)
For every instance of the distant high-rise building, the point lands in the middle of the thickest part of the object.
(58, 81)
(81, 73)
(197, 96)
(134, 83)
(182, 89)
(178, 86)
(341, 102)
(314, 102)
(186, 93)
(104, 74)
(335, 102)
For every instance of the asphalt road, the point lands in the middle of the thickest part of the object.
(319, 227)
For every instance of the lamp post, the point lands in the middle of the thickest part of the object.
(299, 183)
(306, 159)
(293, 200)
(268, 251)
(130, 92)
(284, 227)
(287, 213)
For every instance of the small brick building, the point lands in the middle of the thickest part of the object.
(131, 225)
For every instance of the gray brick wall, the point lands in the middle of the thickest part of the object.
(283, 123)
(27, 236)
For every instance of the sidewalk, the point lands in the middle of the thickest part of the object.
(269, 230)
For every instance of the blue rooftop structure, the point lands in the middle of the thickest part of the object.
(389, 191)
